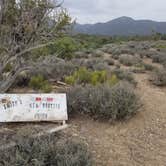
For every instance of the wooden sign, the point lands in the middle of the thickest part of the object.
(33, 107)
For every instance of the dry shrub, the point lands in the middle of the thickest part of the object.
(46, 151)
(81, 54)
(159, 77)
(142, 68)
(129, 60)
(101, 66)
(118, 50)
(148, 67)
(138, 70)
(49, 67)
(146, 53)
(97, 53)
(93, 64)
(159, 58)
(103, 102)
(124, 75)
(110, 62)
(115, 56)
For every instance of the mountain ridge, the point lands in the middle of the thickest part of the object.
(125, 26)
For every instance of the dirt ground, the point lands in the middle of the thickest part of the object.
(140, 141)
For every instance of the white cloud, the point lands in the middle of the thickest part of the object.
(91, 11)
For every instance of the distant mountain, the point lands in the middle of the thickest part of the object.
(124, 26)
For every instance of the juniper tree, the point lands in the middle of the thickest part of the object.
(26, 25)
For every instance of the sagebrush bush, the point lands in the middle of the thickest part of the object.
(46, 151)
(96, 64)
(81, 54)
(159, 58)
(104, 102)
(108, 50)
(159, 77)
(115, 56)
(110, 62)
(148, 67)
(129, 60)
(97, 53)
(39, 83)
(122, 50)
(101, 66)
(138, 70)
(124, 75)
(143, 67)
(146, 53)
(52, 67)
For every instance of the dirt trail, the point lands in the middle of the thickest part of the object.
(139, 142)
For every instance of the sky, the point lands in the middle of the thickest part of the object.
(92, 11)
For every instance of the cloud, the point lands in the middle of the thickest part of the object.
(91, 11)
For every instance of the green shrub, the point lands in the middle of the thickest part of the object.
(113, 80)
(104, 102)
(84, 76)
(159, 77)
(66, 47)
(160, 46)
(36, 82)
(40, 52)
(63, 47)
(39, 83)
(70, 80)
(46, 88)
(8, 68)
(46, 151)
(98, 77)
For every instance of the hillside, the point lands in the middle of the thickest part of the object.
(125, 26)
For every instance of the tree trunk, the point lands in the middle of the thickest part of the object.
(7, 83)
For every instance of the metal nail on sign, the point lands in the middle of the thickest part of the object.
(33, 107)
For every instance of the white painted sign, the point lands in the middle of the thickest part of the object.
(33, 107)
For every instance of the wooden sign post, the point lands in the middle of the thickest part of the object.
(33, 107)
